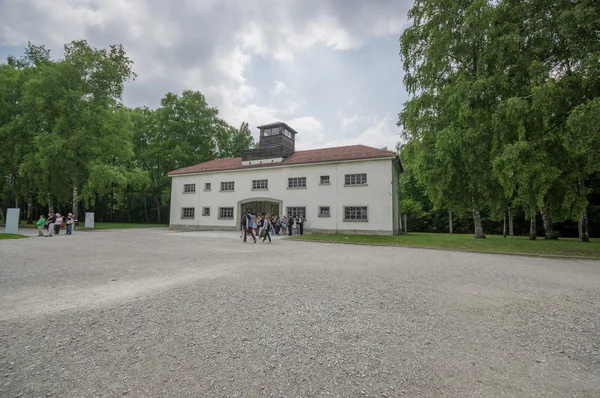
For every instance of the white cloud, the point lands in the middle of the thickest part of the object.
(220, 48)
(381, 133)
(311, 133)
(351, 122)
(279, 88)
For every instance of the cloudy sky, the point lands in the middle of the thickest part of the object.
(329, 68)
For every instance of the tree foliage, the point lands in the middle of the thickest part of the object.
(504, 105)
(71, 144)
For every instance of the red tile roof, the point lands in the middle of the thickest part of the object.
(352, 152)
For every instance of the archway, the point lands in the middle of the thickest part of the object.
(259, 206)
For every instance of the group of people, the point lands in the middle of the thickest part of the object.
(51, 226)
(262, 226)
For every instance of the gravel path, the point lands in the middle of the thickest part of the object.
(152, 313)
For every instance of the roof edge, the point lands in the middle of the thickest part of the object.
(283, 164)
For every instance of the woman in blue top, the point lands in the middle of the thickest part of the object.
(252, 225)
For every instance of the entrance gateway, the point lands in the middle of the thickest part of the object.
(259, 206)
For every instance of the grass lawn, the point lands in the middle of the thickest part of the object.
(21, 225)
(120, 225)
(564, 247)
(11, 236)
(100, 225)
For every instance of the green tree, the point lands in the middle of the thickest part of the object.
(182, 132)
(444, 54)
(15, 133)
(548, 65)
(231, 141)
(74, 107)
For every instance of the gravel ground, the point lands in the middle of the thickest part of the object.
(152, 313)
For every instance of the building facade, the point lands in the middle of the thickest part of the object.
(352, 189)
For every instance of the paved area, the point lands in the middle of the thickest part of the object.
(152, 313)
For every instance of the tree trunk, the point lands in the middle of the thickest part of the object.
(146, 210)
(405, 223)
(511, 230)
(75, 201)
(50, 204)
(584, 236)
(157, 202)
(400, 229)
(30, 210)
(532, 228)
(478, 226)
(111, 205)
(450, 221)
(2, 213)
(547, 220)
(505, 226)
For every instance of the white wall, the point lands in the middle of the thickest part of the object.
(378, 194)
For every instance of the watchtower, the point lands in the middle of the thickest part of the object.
(277, 141)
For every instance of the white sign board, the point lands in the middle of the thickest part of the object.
(12, 221)
(89, 220)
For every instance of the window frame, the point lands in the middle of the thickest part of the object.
(295, 213)
(271, 131)
(226, 208)
(205, 211)
(352, 180)
(188, 217)
(223, 186)
(322, 182)
(297, 180)
(363, 216)
(260, 185)
(192, 188)
(322, 214)
(207, 186)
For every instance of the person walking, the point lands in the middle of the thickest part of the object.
(267, 228)
(301, 219)
(244, 229)
(40, 225)
(70, 222)
(290, 225)
(252, 224)
(297, 224)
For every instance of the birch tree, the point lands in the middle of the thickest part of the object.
(73, 104)
(449, 113)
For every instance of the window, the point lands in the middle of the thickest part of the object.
(227, 186)
(206, 211)
(296, 211)
(297, 182)
(187, 212)
(356, 213)
(189, 188)
(324, 179)
(271, 131)
(288, 134)
(355, 179)
(324, 211)
(207, 186)
(260, 184)
(225, 213)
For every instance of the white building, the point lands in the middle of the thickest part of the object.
(349, 189)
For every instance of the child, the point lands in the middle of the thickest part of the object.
(40, 225)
